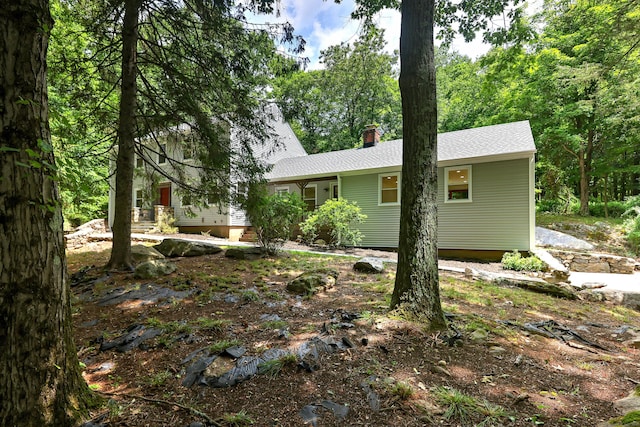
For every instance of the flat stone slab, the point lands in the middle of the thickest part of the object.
(186, 248)
(142, 295)
(556, 239)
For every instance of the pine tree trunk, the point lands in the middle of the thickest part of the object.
(416, 290)
(121, 248)
(40, 380)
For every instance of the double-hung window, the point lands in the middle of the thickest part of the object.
(389, 189)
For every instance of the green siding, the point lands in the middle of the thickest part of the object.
(382, 226)
(496, 219)
(498, 216)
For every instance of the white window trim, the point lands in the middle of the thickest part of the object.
(162, 152)
(396, 203)
(446, 184)
(135, 198)
(278, 190)
(315, 194)
(331, 187)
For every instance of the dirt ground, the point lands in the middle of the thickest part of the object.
(487, 369)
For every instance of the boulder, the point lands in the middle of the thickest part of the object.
(178, 247)
(369, 265)
(244, 253)
(630, 403)
(142, 253)
(310, 282)
(154, 268)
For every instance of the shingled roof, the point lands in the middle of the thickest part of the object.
(483, 144)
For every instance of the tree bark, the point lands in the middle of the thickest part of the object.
(121, 246)
(416, 290)
(40, 379)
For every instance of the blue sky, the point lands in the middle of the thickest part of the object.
(325, 23)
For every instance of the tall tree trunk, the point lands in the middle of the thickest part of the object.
(40, 380)
(121, 247)
(585, 162)
(416, 290)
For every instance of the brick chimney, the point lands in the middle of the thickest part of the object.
(370, 136)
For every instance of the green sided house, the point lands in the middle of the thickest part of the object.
(485, 187)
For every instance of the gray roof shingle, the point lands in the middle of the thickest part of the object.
(484, 142)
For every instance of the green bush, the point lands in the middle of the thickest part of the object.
(515, 261)
(632, 228)
(273, 216)
(615, 209)
(338, 217)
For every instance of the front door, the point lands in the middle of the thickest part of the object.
(165, 195)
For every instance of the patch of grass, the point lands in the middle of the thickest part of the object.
(630, 419)
(170, 327)
(239, 419)
(250, 296)
(274, 324)
(585, 366)
(214, 325)
(273, 367)
(493, 414)
(275, 296)
(222, 345)
(457, 405)
(402, 390)
(159, 379)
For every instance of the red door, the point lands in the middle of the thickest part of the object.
(165, 196)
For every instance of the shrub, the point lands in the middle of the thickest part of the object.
(339, 217)
(632, 228)
(273, 216)
(515, 261)
(165, 223)
(615, 209)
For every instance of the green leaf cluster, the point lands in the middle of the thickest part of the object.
(515, 261)
(338, 217)
(273, 216)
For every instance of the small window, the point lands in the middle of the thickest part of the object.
(139, 161)
(389, 189)
(138, 198)
(188, 148)
(242, 189)
(309, 196)
(457, 184)
(162, 154)
(186, 200)
(282, 190)
(334, 190)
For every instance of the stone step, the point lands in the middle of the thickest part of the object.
(249, 236)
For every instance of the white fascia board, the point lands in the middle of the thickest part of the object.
(487, 159)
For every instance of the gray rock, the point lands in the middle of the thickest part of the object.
(244, 253)
(556, 239)
(369, 265)
(142, 253)
(310, 282)
(178, 247)
(630, 403)
(154, 268)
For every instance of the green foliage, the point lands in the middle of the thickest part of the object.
(632, 228)
(165, 222)
(239, 419)
(273, 367)
(273, 216)
(338, 217)
(329, 108)
(515, 261)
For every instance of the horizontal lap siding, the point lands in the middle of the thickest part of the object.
(496, 219)
(382, 226)
(498, 216)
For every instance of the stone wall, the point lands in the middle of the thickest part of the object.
(595, 263)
